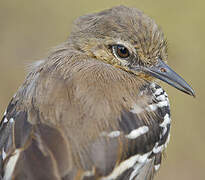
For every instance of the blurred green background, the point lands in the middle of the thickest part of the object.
(28, 29)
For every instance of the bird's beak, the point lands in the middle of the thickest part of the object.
(163, 72)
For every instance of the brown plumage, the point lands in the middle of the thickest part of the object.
(90, 110)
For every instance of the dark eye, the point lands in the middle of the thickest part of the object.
(121, 51)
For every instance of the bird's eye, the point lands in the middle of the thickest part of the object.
(121, 51)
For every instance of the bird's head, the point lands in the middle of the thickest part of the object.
(127, 39)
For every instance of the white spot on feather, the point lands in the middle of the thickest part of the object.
(164, 124)
(158, 149)
(137, 167)
(166, 121)
(11, 120)
(163, 103)
(161, 98)
(158, 91)
(10, 166)
(5, 120)
(152, 107)
(143, 158)
(89, 173)
(164, 131)
(114, 134)
(123, 166)
(137, 132)
(3, 154)
(156, 167)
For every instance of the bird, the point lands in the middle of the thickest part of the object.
(93, 109)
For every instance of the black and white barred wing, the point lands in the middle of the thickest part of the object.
(132, 151)
(144, 132)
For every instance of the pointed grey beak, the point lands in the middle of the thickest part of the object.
(163, 72)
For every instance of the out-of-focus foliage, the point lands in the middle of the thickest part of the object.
(28, 29)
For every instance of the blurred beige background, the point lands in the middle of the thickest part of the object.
(28, 29)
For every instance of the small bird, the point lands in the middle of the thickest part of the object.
(93, 109)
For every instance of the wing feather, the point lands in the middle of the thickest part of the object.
(129, 147)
